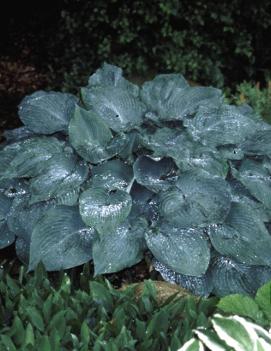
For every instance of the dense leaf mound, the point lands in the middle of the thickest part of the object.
(164, 167)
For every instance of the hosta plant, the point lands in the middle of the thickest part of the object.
(122, 169)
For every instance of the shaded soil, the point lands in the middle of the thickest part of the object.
(137, 273)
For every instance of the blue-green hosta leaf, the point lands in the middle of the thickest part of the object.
(258, 143)
(22, 248)
(13, 135)
(157, 92)
(154, 175)
(47, 113)
(185, 103)
(256, 179)
(60, 240)
(111, 175)
(241, 194)
(196, 201)
(118, 108)
(23, 216)
(208, 124)
(6, 237)
(202, 158)
(104, 210)
(13, 188)
(28, 158)
(91, 138)
(201, 286)
(230, 152)
(187, 154)
(185, 251)
(60, 181)
(243, 236)
(231, 277)
(110, 75)
(121, 249)
(167, 142)
(144, 203)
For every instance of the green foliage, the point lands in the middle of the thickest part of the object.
(256, 97)
(236, 332)
(47, 312)
(203, 40)
(39, 314)
(166, 167)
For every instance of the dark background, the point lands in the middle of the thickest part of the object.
(57, 44)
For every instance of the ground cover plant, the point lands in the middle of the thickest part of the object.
(41, 313)
(122, 169)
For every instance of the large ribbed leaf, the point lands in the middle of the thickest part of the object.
(122, 248)
(258, 143)
(158, 91)
(6, 237)
(167, 142)
(185, 251)
(12, 135)
(243, 236)
(231, 277)
(155, 175)
(104, 210)
(23, 217)
(91, 137)
(60, 181)
(117, 107)
(144, 203)
(241, 194)
(196, 201)
(202, 158)
(28, 158)
(111, 175)
(47, 113)
(201, 286)
(60, 240)
(187, 154)
(256, 179)
(110, 75)
(208, 124)
(230, 152)
(13, 188)
(169, 97)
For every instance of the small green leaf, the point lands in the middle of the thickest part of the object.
(44, 344)
(192, 345)
(17, 331)
(7, 342)
(58, 323)
(84, 333)
(35, 318)
(29, 335)
(101, 295)
(241, 305)
(263, 299)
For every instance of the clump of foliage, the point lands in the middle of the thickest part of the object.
(257, 97)
(205, 40)
(41, 313)
(38, 315)
(164, 167)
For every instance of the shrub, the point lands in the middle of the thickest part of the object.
(204, 40)
(165, 167)
(258, 98)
